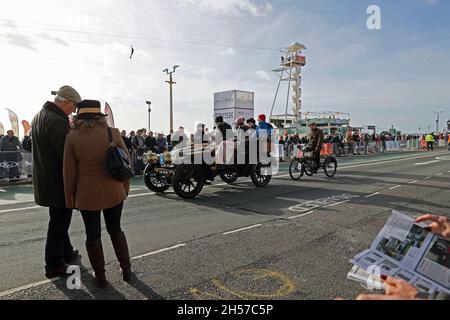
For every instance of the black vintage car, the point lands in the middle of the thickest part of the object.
(189, 177)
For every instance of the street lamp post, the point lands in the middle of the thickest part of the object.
(438, 113)
(171, 83)
(149, 103)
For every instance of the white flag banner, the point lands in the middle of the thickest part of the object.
(14, 122)
(110, 117)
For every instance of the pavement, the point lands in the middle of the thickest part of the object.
(291, 240)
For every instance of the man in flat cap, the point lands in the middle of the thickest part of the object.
(316, 138)
(49, 129)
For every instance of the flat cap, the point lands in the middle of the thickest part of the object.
(69, 93)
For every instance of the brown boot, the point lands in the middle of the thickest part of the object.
(97, 259)
(119, 242)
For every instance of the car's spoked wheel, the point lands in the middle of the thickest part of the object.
(188, 181)
(260, 176)
(153, 180)
(296, 169)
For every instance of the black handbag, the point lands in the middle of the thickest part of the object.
(118, 163)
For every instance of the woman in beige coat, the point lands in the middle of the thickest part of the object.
(90, 188)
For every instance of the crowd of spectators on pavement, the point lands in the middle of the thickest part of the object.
(352, 142)
(357, 142)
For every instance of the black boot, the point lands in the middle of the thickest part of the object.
(120, 245)
(97, 259)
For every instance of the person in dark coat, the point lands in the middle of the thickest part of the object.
(316, 138)
(11, 144)
(49, 129)
(150, 143)
(127, 141)
(161, 142)
(179, 139)
(223, 127)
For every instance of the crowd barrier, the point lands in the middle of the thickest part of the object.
(137, 159)
(348, 149)
(15, 165)
(19, 165)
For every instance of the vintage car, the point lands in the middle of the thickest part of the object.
(189, 177)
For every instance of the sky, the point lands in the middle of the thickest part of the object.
(397, 75)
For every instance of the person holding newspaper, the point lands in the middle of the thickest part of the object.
(397, 289)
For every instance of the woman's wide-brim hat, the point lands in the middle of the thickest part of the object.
(89, 109)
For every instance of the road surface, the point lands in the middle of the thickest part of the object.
(235, 242)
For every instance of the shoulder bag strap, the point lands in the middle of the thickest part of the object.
(110, 137)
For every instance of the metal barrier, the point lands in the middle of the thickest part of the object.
(19, 165)
(357, 148)
(15, 165)
(137, 160)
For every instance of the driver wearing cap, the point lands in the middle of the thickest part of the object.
(315, 143)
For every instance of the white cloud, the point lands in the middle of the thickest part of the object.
(228, 51)
(262, 75)
(231, 7)
(97, 63)
(206, 71)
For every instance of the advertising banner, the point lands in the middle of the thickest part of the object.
(234, 104)
(14, 122)
(110, 116)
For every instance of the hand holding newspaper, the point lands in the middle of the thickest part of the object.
(405, 250)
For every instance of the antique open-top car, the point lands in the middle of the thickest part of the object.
(182, 170)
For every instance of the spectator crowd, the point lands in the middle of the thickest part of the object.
(357, 142)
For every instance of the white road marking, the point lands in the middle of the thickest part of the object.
(439, 174)
(158, 251)
(20, 209)
(289, 199)
(395, 187)
(335, 204)
(19, 202)
(301, 215)
(40, 283)
(369, 163)
(383, 161)
(412, 182)
(427, 178)
(141, 194)
(425, 163)
(242, 229)
(372, 195)
(28, 286)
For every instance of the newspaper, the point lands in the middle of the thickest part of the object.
(405, 250)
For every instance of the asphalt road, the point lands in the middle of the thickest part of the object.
(235, 242)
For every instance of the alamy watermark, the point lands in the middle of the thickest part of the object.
(74, 279)
(374, 19)
(374, 280)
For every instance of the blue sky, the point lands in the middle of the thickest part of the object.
(394, 76)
